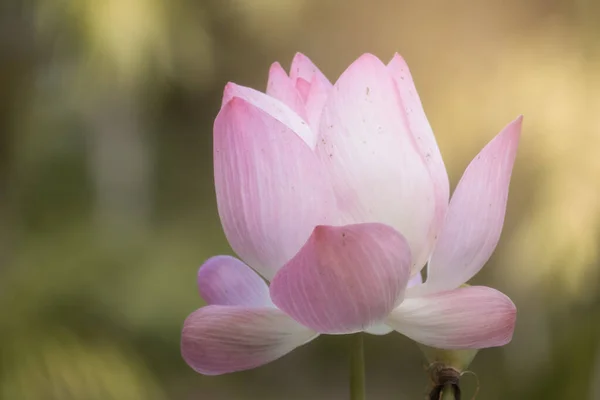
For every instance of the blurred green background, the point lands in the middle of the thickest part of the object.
(107, 205)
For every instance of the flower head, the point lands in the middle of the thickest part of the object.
(338, 195)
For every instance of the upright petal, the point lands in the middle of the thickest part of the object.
(377, 170)
(225, 280)
(281, 87)
(303, 67)
(344, 279)
(315, 101)
(221, 339)
(303, 88)
(274, 108)
(423, 134)
(271, 190)
(475, 215)
(472, 317)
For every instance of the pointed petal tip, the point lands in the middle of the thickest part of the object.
(367, 58)
(230, 87)
(232, 91)
(299, 56)
(276, 73)
(302, 66)
(276, 66)
(513, 129)
(397, 57)
(365, 63)
(228, 91)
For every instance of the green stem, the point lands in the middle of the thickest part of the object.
(448, 393)
(357, 368)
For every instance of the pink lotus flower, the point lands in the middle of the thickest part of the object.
(338, 196)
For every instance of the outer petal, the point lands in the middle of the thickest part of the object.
(303, 67)
(423, 134)
(344, 279)
(476, 214)
(378, 172)
(222, 339)
(271, 191)
(274, 108)
(471, 317)
(225, 280)
(281, 87)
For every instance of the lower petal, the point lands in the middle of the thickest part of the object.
(345, 279)
(472, 317)
(226, 281)
(221, 339)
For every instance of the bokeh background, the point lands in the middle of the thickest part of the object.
(107, 205)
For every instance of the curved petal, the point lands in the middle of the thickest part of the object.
(274, 108)
(225, 280)
(303, 67)
(221, 339)
(271, 191)
(476, 214)
(423, 134)
(376, 168)
(281, 87)
(344, 279)
(472, 317)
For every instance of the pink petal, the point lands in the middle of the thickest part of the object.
(271, 190)
(274, 108)
(303, 67)
(315, 101)
(377, 170)
(476, 214)
(225, 280)
(471, 317)
(344, 279)
(423, 134)
(303, 87)
(281, 87)
(221, 339)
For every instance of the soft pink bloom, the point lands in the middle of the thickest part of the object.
(338, 195)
